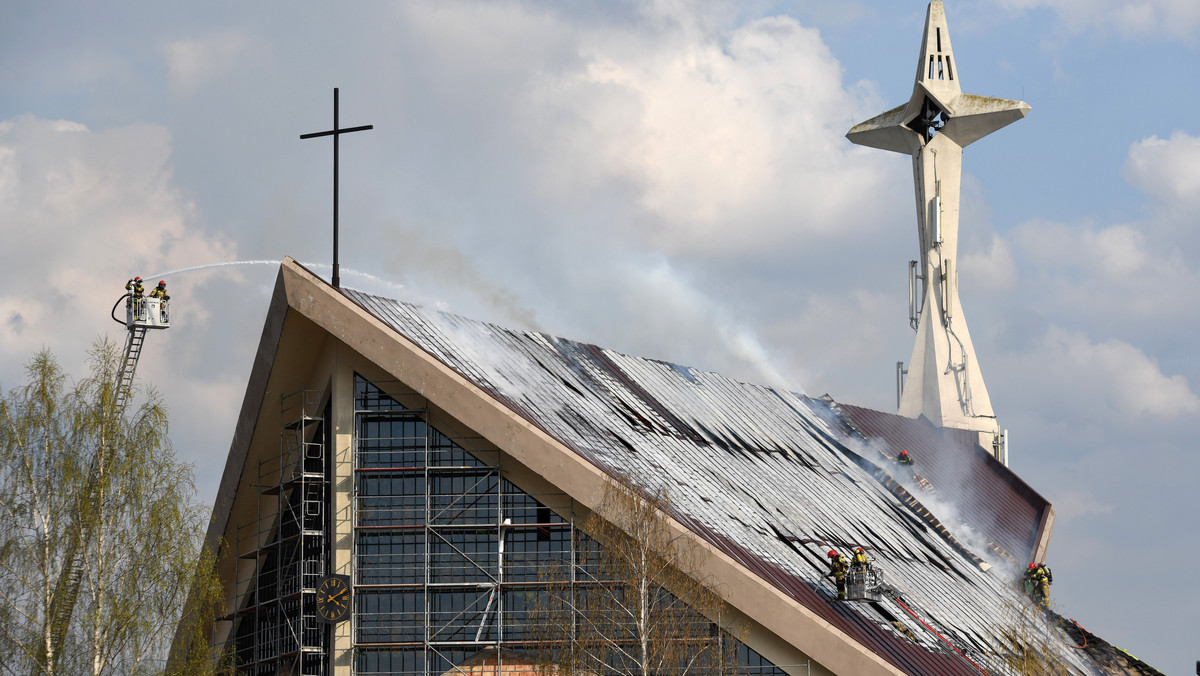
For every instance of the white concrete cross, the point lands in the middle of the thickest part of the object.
(944, 381)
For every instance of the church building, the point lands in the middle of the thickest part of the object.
(399, 476)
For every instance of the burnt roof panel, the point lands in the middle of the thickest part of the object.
(992, 499)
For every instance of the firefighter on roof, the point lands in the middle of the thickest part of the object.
(1036, 584)
(1044, 579)
(1027, 579)
(904, 458)
(860, 559)
(1042, 594)
(837, 570)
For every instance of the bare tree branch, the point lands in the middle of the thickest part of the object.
(642, 607)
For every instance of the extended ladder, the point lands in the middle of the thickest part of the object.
(133, 350)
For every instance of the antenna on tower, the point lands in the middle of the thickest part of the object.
(914, 302)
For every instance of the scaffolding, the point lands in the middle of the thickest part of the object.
(283, 551)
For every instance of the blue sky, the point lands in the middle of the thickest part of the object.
(669, 179)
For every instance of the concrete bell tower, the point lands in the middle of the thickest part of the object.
(944, 380)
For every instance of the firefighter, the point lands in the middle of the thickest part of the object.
(1027, 579)
(904, 458)
(135, 289)
(1044, 578)
(837, 570)
(860, 559)
(1042, 595)
(1036, 584)
(1033, 576)
(160, 291)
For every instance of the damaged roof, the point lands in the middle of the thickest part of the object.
(773, 479)
(997, 503)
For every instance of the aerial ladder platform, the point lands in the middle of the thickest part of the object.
(142, 314)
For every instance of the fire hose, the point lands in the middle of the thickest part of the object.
(935, 633)
(1082, 632)
(113, 313)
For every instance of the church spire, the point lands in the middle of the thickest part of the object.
(944, 381)
(935, 69)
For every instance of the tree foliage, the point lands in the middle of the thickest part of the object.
(634, 602)
(1030, 649)
(85, 487)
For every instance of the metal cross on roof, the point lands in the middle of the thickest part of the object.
(335, 133)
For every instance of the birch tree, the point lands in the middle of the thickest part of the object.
(85, 488)
(635, 603)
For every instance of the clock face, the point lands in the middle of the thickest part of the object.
(333, 599)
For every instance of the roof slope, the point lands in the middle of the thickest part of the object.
(769, 477)
(989, 496)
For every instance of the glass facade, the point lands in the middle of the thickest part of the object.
(450, 556)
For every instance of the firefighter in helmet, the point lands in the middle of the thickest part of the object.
(837, 570)
(1027, 579)
(860, 559)
(1036, 584)
(1044, 579)
(135, 289)
(160, 291)
(1042, 593)
(904, 458)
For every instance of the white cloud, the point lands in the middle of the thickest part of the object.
(1167, 169)
(1070, 505)
(1128, 18)
(730, 142)
(83, 210)
(830, 338)
(991, 270)
(1109, 380)
(1122, 279)
(193, 62)
(1111, 252)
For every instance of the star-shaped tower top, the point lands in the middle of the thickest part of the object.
(937, 98)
